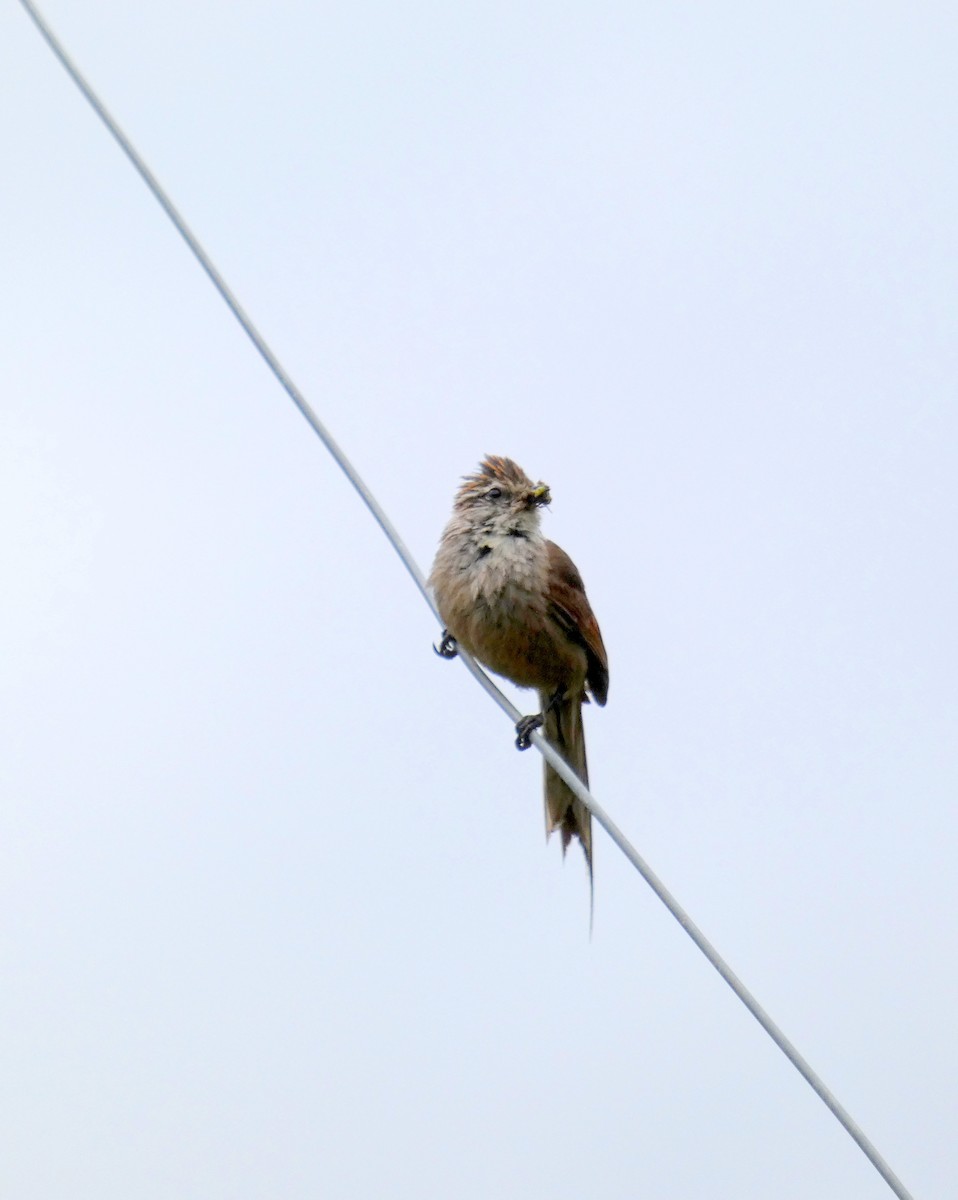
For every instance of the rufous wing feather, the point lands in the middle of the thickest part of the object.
(571, 610)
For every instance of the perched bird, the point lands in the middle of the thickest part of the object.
(516, 602)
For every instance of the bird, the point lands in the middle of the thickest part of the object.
(516, 602)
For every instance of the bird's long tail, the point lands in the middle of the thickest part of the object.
(564, 730)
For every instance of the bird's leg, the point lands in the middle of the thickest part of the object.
(526, 725)
(447, 645)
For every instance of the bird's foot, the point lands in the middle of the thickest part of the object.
(525, 727)
(447, 647)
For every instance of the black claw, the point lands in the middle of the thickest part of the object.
(447, 646)
(524, 728)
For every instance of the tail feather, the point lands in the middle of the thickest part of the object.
(563, 729)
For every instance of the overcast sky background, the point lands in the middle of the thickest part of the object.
(276, 915)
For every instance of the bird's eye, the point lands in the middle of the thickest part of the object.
(494, 493)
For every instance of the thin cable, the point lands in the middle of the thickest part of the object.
(551, 756)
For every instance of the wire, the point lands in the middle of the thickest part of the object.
(552, 757)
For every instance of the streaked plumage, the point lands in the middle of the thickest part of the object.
(516, 602)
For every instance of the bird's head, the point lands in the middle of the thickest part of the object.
(502, 498)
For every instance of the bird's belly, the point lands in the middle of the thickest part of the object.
(497, 610)
(515, 640)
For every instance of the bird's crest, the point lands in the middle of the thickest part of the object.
(493, 467)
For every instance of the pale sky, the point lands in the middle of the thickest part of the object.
(277, 918)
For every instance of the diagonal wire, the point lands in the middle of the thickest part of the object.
(552, 757)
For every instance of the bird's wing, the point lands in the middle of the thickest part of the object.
(570, 608)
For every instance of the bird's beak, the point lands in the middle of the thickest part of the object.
(540, 494)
